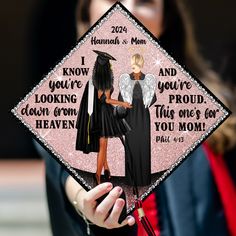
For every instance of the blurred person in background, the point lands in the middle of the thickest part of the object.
(199, 197)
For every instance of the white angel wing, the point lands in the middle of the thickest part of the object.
(148, 89)
(126, 88)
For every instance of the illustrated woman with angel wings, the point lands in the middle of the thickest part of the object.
(138, 89)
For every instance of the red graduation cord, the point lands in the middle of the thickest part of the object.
(151, 210)
(143, 218)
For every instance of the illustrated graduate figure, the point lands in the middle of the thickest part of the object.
(96, 121)
(138, 89)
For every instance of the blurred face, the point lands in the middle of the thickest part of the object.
(149, 12)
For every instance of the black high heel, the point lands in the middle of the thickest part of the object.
(96, 179)
(107, 175)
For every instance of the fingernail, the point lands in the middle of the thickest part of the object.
(109, 186)
(119, 189)
(130, 220)
(129, 217)
(120, 203)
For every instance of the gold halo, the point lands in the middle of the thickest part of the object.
(137, 49)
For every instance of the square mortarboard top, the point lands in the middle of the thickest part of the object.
(103, 57)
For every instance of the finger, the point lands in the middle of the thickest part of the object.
(115, 214)
(97, 192)
(104, 207)
(112, 222)
(130, 220)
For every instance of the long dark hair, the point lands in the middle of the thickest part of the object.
(102, 75)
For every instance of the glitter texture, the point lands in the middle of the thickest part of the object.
(165, 156)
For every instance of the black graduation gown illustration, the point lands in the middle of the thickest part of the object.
(87, 125)
(101, 122)
(138, 139)
(96, 118)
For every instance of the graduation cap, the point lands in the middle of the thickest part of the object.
(103, 57)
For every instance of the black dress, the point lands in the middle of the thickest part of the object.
(101, 123)
(111, 126)
(138, 139)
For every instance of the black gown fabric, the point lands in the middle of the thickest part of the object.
(102, 123)
(87, 139)
(138, 155)
(111, 126)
